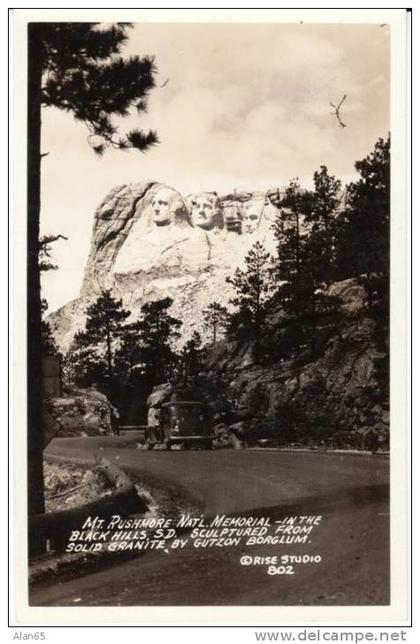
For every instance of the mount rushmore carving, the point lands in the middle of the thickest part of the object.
(150, 228)
(148, 242)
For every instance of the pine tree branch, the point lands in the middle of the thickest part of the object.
(50, 239)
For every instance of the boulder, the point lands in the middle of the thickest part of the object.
(86, 412)
(160, 394)
(351, 293)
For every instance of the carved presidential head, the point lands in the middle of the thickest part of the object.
(252, 214)
(232, 216)
(168, 208)
(204, 210)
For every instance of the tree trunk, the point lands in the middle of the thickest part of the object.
(109, 354)
(34, 350)
(257, 327)
(313, 321)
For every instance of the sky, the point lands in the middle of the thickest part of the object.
(245, 106)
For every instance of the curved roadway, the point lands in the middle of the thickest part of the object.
(349, 491)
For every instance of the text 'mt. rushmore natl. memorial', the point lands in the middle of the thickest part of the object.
(149, 242)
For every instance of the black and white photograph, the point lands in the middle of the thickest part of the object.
(212, 250)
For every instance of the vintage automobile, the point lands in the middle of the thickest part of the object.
(181, 422)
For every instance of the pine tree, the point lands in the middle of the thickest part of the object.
(157, 330)
(45, 252)
(305, 233)
(289, 232)
(215, 319)
(75, 67)
(104, 328)
(253, 287)
(123, 359)
(192, 360)
(363, 245)
(320, 208)
(85, 366)
(48, 344)
(290, 267)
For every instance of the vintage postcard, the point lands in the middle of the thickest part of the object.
(209, 421)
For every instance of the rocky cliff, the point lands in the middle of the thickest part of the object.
(338, 399)
(150, 242)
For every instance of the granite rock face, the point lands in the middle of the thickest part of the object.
(336, 399)
(112, 223)
(149, 242)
